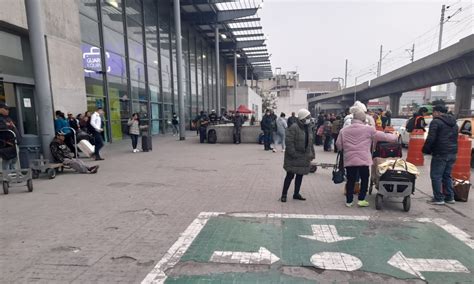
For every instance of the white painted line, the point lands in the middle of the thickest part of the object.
(326, 234)
(263, 256)
(414, 266)
(298, 216)
(174, 254)
(336, 261)
(455, 232)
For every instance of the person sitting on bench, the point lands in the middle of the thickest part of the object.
(62, 154)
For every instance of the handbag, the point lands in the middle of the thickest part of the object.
(461, 190)
(338, 173)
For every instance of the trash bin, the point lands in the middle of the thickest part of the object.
(30, 148)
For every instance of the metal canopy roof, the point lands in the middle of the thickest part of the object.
(239, 27)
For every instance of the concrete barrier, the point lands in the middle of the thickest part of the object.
(225, 133)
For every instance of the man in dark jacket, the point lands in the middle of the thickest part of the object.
(292, 119)
(213, 119)
(203, 124)
(442, 144)
(62, 154)
(238, 121)
(267, 127)
(8, 152)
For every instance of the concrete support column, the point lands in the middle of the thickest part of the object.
(235, 80)
(179, 67)
(218, 73)
(463, 96)
(44, 102)
(395, 103)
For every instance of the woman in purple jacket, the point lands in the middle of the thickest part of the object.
(356, 143)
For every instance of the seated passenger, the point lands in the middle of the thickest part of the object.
(62, 154)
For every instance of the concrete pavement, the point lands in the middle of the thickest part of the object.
(116, 225)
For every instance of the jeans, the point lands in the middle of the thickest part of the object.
(134, 140)
(280, 139)
(8, 164)
(352, 176)
(99, 143)
(327, 142)
(286, 185)
(236, 133)
(202, 134)
(175, 129)
(334, 137)
(440, 173)
(267, 139)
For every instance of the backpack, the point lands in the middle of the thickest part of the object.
(212, 137)
(410, 125)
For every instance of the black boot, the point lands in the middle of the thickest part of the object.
(298, 197)
(283, 198)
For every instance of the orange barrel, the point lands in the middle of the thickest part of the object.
(462, 167)
(389, 129)
(417, 140)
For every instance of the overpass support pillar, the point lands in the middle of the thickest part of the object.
(395, 103)
(463, 96)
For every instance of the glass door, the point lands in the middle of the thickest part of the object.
(28, 122)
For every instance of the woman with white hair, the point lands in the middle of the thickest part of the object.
(369, 120)
(299, 153)
(355, 141)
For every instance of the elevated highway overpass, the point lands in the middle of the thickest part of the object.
(452, 64)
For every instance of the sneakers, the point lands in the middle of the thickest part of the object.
(435, 202)
(450, 201)
(349, 205)
(274, 150)
(363, 203)
(283, 199)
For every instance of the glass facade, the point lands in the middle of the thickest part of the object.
(130, 62)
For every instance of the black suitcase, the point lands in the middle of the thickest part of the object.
(212, 137)
(147, 144)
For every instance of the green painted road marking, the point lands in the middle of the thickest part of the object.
(397, 248)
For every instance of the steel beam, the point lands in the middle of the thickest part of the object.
(179, 67)
(241, 44)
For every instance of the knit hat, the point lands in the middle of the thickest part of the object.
(358, 105)
(303, 113)
(359, 114)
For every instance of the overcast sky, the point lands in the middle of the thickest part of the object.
(315, 37)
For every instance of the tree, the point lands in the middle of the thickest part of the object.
(269, 100)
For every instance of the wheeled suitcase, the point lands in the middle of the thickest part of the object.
(147, 143)
(388, 150)
(86, 148)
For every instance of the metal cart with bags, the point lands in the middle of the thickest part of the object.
(396, 181)
(17, 176)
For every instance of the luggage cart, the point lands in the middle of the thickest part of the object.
(393, 183)
(42, 165)
(18, 175)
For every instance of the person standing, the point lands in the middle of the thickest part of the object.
(267, 127)
(238, 121)
(299, 154)
(73, 122)
(335, 129)
(203, 124)
(175, 124)
(280, 133)
(134, 130)
(213, 119)
(8, 144)
(97, 129)
(356, 142)
(442, 144)
(61, 124)
(327, 132)
(292, 119)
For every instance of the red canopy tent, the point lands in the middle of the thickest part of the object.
(244, 109)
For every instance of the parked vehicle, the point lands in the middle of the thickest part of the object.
(398, 125)
(405, 136)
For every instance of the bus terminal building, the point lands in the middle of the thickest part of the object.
(125, 56)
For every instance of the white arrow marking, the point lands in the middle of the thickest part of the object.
(336, 261)
(325, 233)
(414, 266)
(263, 256)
